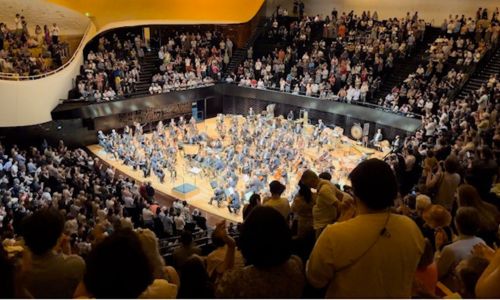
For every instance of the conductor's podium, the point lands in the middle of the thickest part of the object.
(185, 191)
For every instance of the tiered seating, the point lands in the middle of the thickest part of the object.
(190, 60)
(342, 58)
(25, 53)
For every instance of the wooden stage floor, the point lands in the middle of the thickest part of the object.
(344, 156)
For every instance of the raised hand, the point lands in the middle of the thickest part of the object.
(483, 251)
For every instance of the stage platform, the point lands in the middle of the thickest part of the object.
(196, 189)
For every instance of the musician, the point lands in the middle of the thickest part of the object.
(138, 128)
(219, 196)
(321, 125)
(159, 127)
(145, 166)
(246, 167)
(316, 133)
(114, 135)
(396, 143)
(218, 164)
(234, 204)
(160, 174)
(103, 140)
(234, 122)
(284, 175)
(298, 129)
(323, 140)
(250, 112)
(192, 122)
(182, 121)
(377, 138)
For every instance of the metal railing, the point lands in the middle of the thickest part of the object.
(336, 99)
(17, 77)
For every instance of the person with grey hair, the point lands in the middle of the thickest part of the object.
(166, 279)
(467, 224)
(327, 207)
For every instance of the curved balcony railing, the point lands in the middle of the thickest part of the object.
(17, 77)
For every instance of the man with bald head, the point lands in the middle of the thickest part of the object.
(327, 207)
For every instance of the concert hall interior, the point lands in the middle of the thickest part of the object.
(249, 149)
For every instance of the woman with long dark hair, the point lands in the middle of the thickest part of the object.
(468, 196)
(254, 201)
(302, 207)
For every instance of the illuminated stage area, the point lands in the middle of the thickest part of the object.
(233, 154)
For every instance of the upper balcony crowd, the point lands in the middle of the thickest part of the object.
(29, 53)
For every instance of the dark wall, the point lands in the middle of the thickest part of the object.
(77, 123)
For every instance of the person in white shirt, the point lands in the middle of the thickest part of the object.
(17, 22)
(179, 222)
(430, 127)
(260, 84)
(54, 31)
(258, 66)
(147, 217)
(229, 46)
(14, 170)
(350, 94)
(356, 94)
(161, 54)
(109, 94)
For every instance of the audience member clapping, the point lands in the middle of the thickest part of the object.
(112, 70)
(190, 60)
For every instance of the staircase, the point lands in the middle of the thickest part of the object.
(149, 66)
(481, 75)
(404, 67)
(240, 54)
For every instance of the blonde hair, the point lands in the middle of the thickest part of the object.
(422, 202)
(150, 246)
